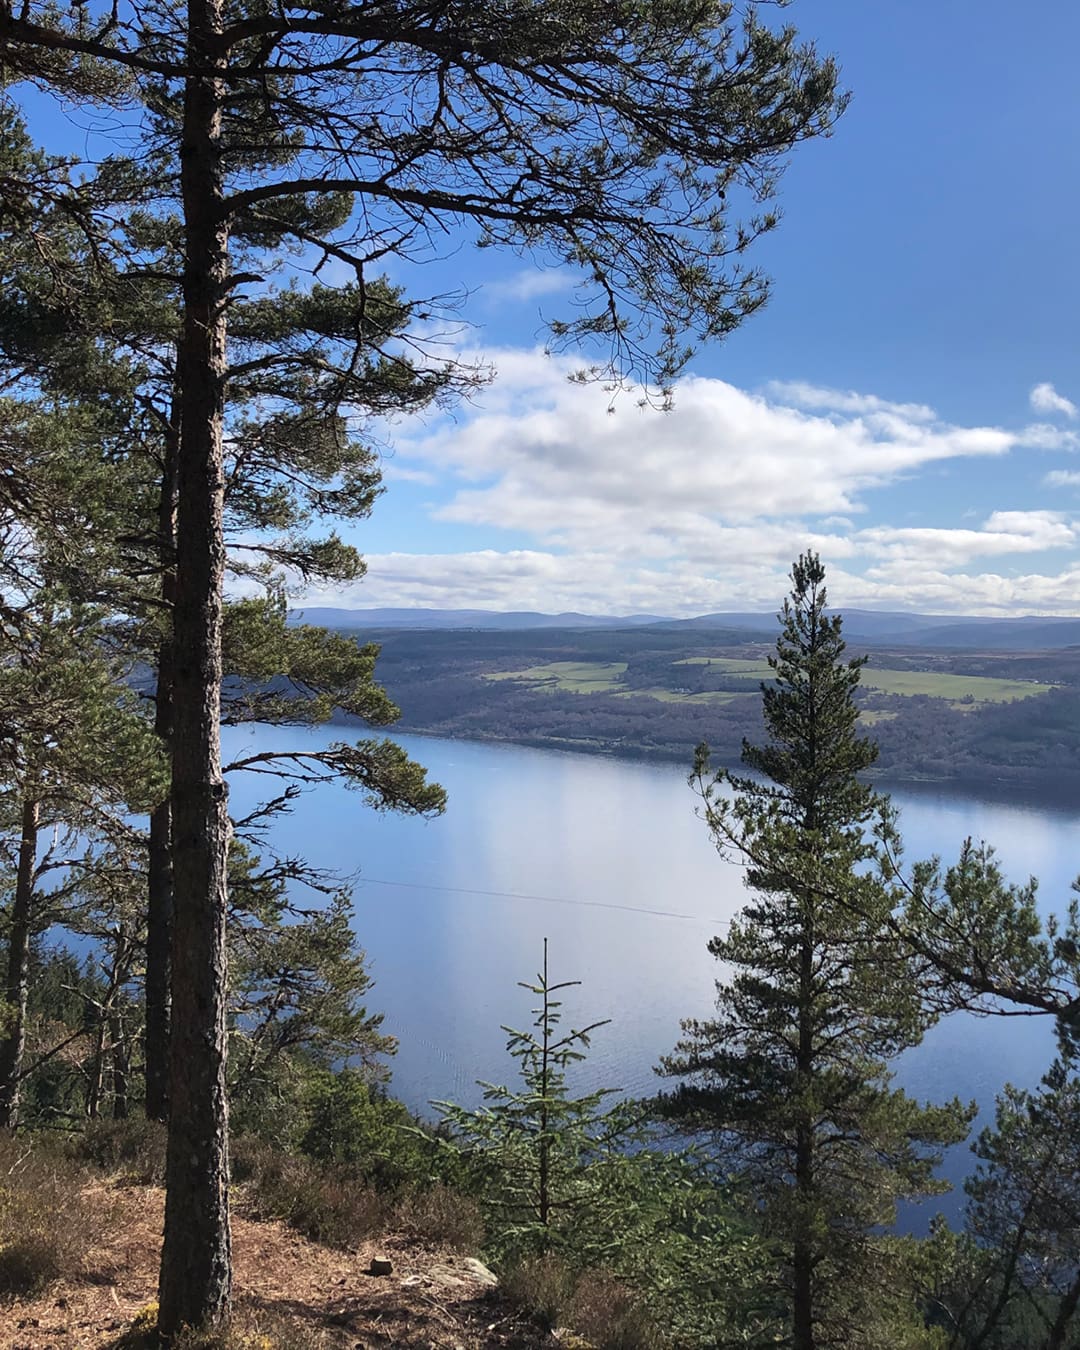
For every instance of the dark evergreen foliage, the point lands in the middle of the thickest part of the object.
(792, 1073)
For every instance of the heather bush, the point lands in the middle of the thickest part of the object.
(133, 1148)
(46, 1229)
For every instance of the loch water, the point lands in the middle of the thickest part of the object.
(607, 860)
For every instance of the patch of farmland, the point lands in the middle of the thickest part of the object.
(957, 688)
(576, 677)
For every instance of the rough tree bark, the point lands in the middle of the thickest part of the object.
(159, 915)
(802, 1245)
(195, 1280)
(17, 982)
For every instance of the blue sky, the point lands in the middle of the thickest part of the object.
(907, 403)
(926, 257)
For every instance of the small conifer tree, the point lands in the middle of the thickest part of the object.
(587, 1182)
(531, 1146)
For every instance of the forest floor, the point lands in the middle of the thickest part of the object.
(292, 1292)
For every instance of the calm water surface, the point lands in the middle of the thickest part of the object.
(607, 860)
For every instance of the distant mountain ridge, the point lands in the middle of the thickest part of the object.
(873, 627)
(465, 618)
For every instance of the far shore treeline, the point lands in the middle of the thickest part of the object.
(980, 718)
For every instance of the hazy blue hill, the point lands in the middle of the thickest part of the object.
(871, 627)
(464, 618)
(1012, 635)
(865, 625)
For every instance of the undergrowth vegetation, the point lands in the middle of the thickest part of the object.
(249, 1330)
(47, 1226)
(606, 1312)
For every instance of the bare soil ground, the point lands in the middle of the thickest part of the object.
(433, 1300)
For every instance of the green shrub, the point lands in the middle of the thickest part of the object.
(349, 1121)
(337, 1204)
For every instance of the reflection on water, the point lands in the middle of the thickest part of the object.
(606, 859)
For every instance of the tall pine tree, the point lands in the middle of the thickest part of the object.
(608, 136)
(793, 1069)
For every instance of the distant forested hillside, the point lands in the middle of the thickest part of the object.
(965, 716)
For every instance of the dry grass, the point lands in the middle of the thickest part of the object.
(289, 1293)
(327, 1204)
(599, 1308)
(334, 1206)
(440, 1217)
(46, 1228)
(543, 1287)
(79, 1259)
(610, 1316)
(248, 1330)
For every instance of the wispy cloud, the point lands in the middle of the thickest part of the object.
(597, 583)
(1046, 399)
(531, 283)
(817, 398)
(1043, 436)
(1065, 478)
(393, 472)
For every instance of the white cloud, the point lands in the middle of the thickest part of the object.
(815, 397)
(935, 591)
(1003, 533)
(589, 582)
(567, 465)
(531, 283)
(624, 509)
(596, 583)
(1043, 436)
(393, 472)
(1046, 399)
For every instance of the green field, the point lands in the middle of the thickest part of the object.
(576, 677)
(605, 677)
(753, 670)
(964, 692)
(980, 688)
(670, 695)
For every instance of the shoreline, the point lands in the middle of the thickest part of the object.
(1063, 798)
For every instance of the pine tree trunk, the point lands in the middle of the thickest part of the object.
(545, 1142)
(195, 1281)
(159, 912)
(1065, 1314)
(802, 1245)
(17, 983)
(159, 909)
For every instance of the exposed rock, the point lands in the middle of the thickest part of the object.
(480, 1272)
(381, 1265)
(465, 1272)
